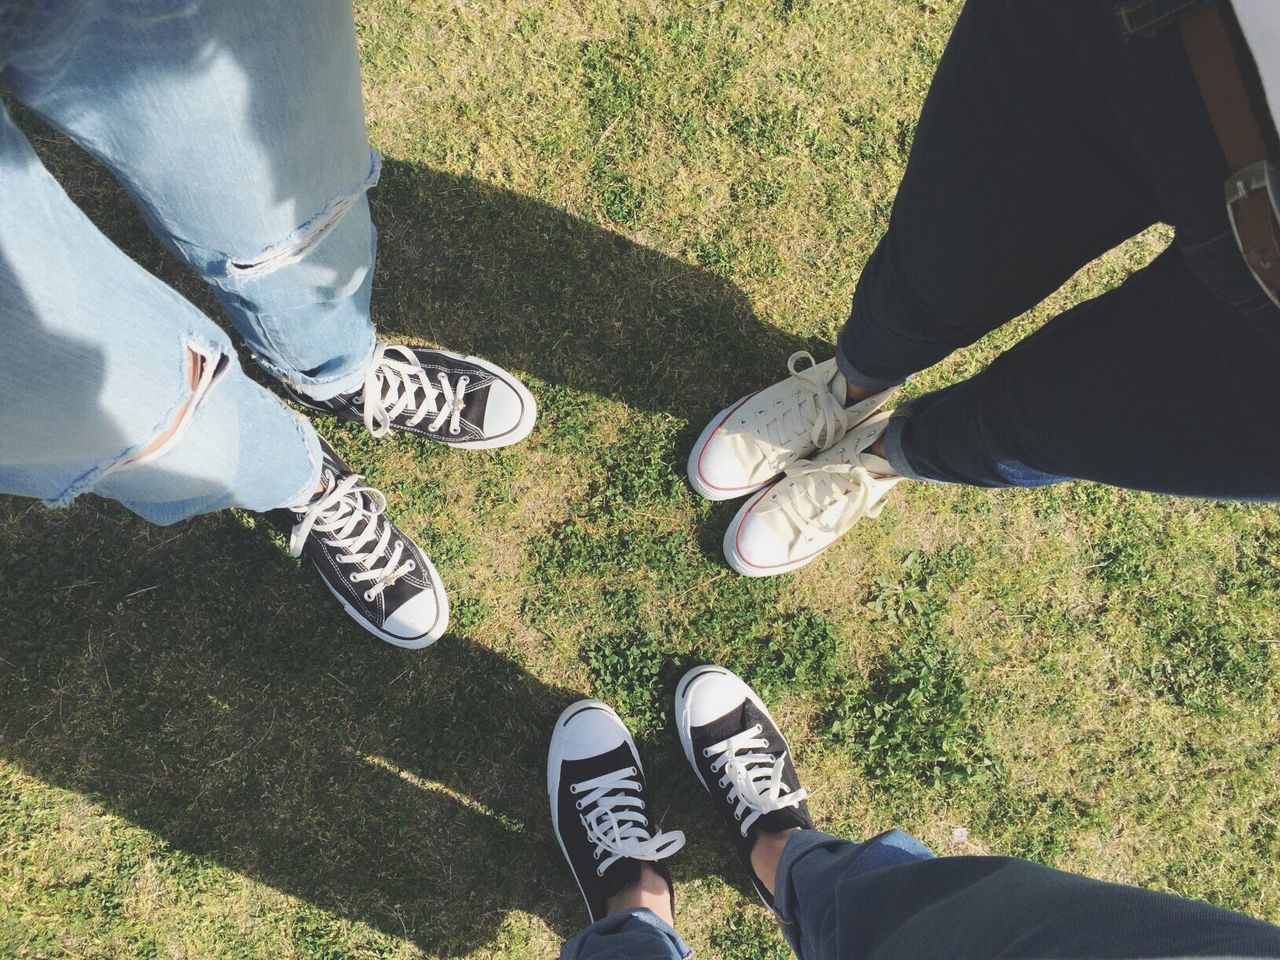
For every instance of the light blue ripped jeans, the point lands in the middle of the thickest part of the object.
(237, 128)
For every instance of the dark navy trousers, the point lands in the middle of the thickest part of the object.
(890, 899)
(1047, 138)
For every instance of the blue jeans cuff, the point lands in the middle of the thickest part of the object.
(860, 379)
(639, 931)
(889, 849)
(893, 445)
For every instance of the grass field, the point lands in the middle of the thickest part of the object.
(642, 208)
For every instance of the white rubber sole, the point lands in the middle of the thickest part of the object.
(416, 643)
(555, 757)
(740, 564)
(691, 467)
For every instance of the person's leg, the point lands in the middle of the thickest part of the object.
(601, 819)
(112, 383)
(239, 129)
(1156, 385)
(889, 898)
(1020, 172)
(1161, 385)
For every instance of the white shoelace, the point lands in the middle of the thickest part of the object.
(753, 778)
(617, 825)
(337, 515)
(391, 387)
(830, 419)
(857, 492)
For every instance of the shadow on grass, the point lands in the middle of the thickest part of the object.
(194, 681)
(214, 696)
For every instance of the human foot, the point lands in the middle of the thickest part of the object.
(380, 576)
(461, 401)
(748, 444)
(787, 525)
(742, 759)
(600, 807)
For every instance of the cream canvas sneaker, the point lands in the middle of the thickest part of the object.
(785, 526)
(747, 445)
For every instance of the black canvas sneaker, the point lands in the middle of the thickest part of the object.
(462, 401)
(599, 809)
(378, 574)
(741, 758)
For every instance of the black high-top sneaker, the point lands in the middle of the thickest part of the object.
(741, 758)
(462, 401)
(599, 809)
(378, 574)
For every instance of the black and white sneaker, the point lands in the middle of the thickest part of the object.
(599, 809)
(462, 401)
(741, 758)
(379, 575)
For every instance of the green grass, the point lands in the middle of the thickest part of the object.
(642, 209)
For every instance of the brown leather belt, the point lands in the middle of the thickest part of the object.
(1233, 94)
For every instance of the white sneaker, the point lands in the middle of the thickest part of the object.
(785, 526)
(747, 445)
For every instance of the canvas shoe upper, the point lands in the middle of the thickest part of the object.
(462, 401)
(750, 443)
(742, 759)
(785, 526)
(599, 806)
(380, 576)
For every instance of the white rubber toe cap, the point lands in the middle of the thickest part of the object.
(587, 729)
(751, 545)
(708, 693)
(509, 413)
(419, 621)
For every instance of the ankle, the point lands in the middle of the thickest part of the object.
(650, 892)
(766, 853)
(855, 394)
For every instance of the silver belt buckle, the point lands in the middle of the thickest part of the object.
(1262, 175)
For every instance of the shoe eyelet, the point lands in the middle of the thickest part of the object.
(573, 788)
(368, 597)
(413, 565)
(595, 855)
(454, 431)
(737, 816)
(599, 872)
(578, 804)
(706, 752)
(723, 783)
